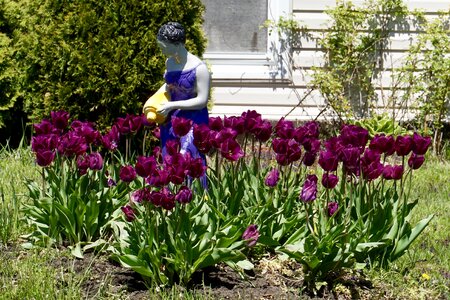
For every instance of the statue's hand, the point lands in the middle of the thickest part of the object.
(165, 109)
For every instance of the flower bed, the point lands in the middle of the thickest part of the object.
(329, 204)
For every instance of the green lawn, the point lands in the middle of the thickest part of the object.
(423, 273)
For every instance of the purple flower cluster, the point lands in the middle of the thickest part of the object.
(222, 134)
(361, 156)
(78, 139)
(289, 141)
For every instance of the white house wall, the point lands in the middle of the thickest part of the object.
(291, 96)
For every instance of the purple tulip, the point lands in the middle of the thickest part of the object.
(262, 131)
(420, 144)
(415, 161)
(215, 123)
(83, 164)
(294, 152)
(111, 139)
(141, 195)
(181, 126)
(272, 178)
(309, 158)
(45, 127)
(371, 166)
(129, 213)
(135, 123)
(332, 208)
(328, 160)
(284, 129)
(45, 157)
(383, 144)
(127, 173)
(235, 123)
(251, 235)
(309, 190)
(231, 150)
(354, 135)
(351, 159)
(60, 119)
(403, 145)
(95, 161)
(145, 166)
(312, 129)
(334, 145)
(168, 199)
(44, 142)
(201, 138)
(280, 146)
(87, 131)
(184, 195)
(123, 126)
(311, 144)
(393, 172)
(173, 147)
(72, 144)
(251, 118)
(196, 168)
(329, 181)
(159, 178)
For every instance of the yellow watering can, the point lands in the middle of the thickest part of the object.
(152, 105)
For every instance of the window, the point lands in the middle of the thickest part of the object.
(238, 49)
(234, 26)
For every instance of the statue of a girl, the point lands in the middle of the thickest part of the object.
(187, 82)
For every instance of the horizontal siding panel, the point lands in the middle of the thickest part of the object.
(265, 96)
(429, 6)
(385, 79)
(319, 21)
(396, 42)
(309, 58)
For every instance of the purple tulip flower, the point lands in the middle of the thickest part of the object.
(145, 166)
(95, 161)
(184, 195)
(309, 190)
(420, 144)
(393, 172)
(231, 150)
(329, 181)
(181, 126)
(127, 173)
(60, 119)
(403, 145)
(45, 157)
(383, 144)
(332, 208)
(251, 235)
(328, 160)
(129, 213)
(272, 178)
(415, 161)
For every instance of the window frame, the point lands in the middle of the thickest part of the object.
(232, 68)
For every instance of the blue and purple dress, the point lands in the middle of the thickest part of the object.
(182, 86)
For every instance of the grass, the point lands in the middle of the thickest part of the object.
(423, 273)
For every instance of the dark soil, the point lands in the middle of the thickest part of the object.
(271, 279)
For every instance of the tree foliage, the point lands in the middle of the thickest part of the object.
(96, 59)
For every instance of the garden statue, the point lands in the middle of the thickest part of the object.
(187, 86)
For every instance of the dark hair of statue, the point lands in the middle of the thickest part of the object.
(172, 32)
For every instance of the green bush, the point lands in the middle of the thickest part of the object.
(95, 59)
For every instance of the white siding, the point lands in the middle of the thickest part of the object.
(276, 98)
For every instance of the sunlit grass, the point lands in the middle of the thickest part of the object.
(424, 272)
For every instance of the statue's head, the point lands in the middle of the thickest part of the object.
(172, 32)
